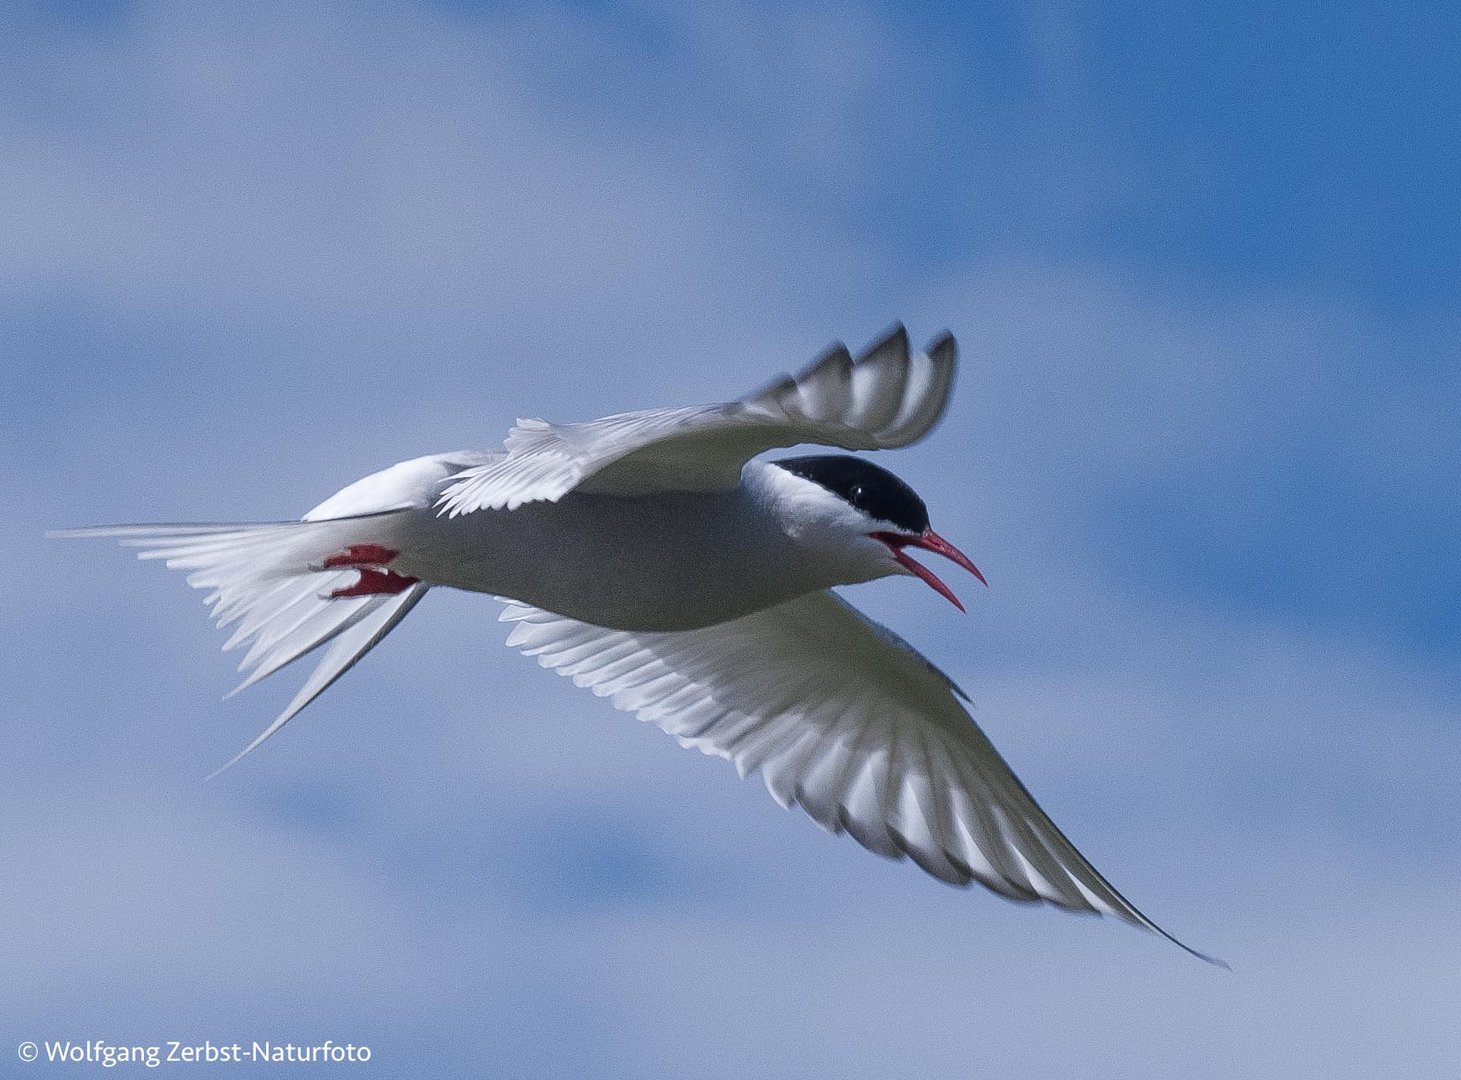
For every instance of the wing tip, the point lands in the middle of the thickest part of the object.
(943, 347)
(893, 340)
(1206, 958)
(835, 353)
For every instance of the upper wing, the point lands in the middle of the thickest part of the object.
(883, 399)
(845, 719)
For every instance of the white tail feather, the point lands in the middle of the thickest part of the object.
(267, 579)
(352, 640)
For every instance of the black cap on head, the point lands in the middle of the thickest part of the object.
(874, 491)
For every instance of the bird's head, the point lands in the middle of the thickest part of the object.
(865, 519)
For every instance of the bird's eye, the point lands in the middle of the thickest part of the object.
(857, 493)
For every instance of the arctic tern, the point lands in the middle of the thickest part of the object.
(655, 559)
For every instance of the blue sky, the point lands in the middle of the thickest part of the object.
(1203, 264)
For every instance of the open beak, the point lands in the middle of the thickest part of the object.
(928, 540)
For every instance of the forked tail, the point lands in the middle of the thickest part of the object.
(289, 587)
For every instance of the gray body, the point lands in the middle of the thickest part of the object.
(664, 561)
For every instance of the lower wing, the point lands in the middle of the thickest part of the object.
(846, 720)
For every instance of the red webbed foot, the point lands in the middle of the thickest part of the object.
(376, 583)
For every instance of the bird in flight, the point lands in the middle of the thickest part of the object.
(655, 558)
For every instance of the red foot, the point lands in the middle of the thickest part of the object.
(376, 583)
(360, 555)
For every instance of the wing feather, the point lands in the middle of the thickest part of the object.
(883, 399)
(845, 719)
(880, 382)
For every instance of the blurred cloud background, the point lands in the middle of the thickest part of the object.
(1203, 266)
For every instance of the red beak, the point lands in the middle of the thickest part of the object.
(928, 540)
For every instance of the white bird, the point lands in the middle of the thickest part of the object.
(651, 557)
